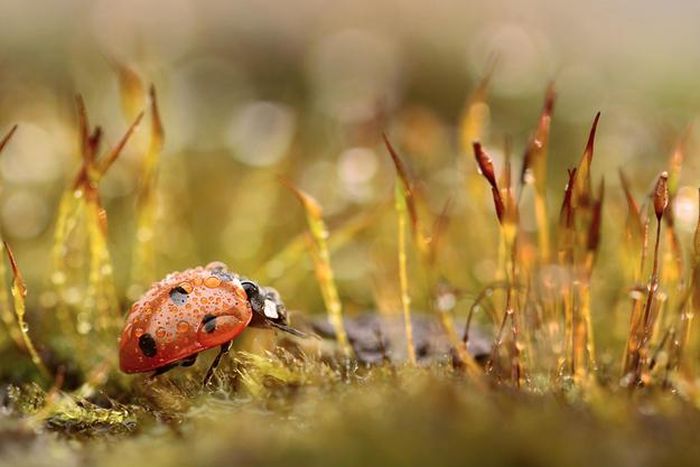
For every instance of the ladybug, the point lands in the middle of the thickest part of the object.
(192, 311)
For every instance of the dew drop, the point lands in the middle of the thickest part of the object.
(212, 282)
(160, 333)
(183, 327)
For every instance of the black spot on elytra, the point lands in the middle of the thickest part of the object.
(147, 344)
(209, 322)
(178, 295)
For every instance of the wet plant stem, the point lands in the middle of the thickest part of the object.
(647, 325)
(403, 274)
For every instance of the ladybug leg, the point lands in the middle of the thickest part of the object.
(163, 369)
(210, 372)
(189, 361)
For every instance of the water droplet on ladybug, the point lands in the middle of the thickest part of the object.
(183, 327)
(212, 282)
(160, 333)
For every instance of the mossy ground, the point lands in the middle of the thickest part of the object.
(279, 411)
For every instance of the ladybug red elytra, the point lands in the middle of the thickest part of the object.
(192, 311)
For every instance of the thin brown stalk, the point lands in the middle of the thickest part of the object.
(660, 201)
(507, 214)
(6, 139)
(637, 233)
(486, 168)
(114, 153)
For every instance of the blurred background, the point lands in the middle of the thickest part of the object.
(253, 90)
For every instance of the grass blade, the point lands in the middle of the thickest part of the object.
(403, 273)
(486, 168)
(582, 189)
(19, 292)
(318, 234)
(6, 315)
(641, 357)
(423, 246)
(410, 196)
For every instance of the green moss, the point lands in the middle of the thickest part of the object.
(417, 417)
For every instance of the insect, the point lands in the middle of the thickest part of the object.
(192, 311)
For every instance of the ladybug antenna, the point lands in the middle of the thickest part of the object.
(287, 329)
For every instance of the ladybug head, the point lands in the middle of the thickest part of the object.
(268, 309)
